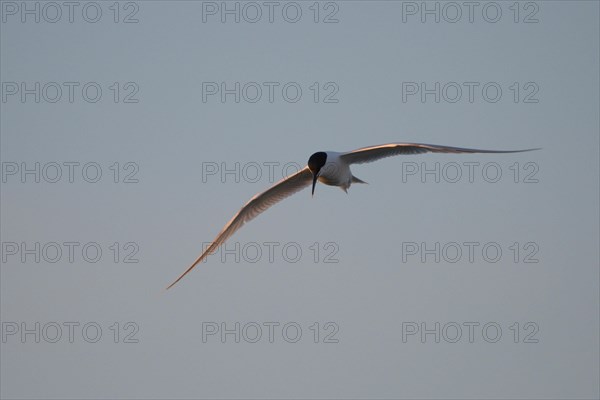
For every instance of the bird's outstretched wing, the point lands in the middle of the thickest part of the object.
(373, 153)
(257, 205)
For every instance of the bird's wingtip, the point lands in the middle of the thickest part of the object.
(176, 280)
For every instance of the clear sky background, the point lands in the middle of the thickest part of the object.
(378, 291)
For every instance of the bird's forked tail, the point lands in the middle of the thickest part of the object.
(356, 180)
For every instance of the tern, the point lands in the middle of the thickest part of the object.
(329, 167)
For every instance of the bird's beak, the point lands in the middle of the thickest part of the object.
(314, 183)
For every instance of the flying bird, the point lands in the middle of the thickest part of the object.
(328, 167)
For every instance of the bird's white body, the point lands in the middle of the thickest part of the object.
(331, 168)
(335, 172)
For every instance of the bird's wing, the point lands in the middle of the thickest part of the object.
(257, 205)
(373, 153)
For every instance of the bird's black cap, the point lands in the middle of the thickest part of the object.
(315, 163)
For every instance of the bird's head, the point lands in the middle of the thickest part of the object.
(315, 163)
